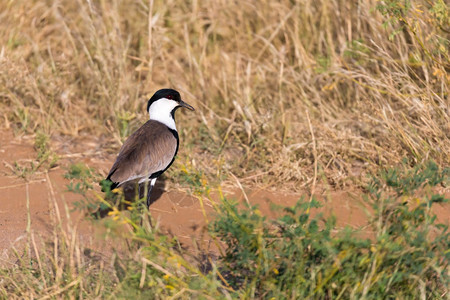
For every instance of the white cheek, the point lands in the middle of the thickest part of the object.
(160, 111)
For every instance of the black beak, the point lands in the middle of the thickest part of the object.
(184, 104)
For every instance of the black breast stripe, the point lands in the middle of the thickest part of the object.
(175, 134)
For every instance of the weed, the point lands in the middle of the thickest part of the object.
(84, 175)
(123, 120)
(22, 115)
(323, 64)
(24, 171)
(45, 158)
(82, 180)
(297, 256)
(44, 154)
(194, 178)
(358, 51)
(405, 180)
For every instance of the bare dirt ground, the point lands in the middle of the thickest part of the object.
(177, 213)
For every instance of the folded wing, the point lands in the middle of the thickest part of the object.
(148, 151)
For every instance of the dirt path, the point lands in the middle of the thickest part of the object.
(176, 212)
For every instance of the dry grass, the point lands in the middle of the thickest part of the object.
(291, 94)
(254, 70)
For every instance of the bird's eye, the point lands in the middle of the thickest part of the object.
(170, 97)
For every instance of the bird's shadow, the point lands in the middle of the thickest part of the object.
(130, 191)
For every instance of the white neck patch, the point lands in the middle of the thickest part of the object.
(160, 111)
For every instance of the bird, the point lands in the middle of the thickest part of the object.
(150, 150)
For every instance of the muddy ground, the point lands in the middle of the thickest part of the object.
(177, 212)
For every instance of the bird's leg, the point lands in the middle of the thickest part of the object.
(150, 187)
(138, 196)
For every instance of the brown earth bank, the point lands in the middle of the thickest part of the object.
(35, 202)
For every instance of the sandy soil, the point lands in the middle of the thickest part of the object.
(177, 213)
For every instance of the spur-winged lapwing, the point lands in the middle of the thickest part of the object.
(151, 149)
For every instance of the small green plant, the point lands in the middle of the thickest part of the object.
(24, 171)
(408, 19)
(323, 64)
(358, 51)
(44, 154)
(45, 158)
(123, 120)
(84, 176)
(82, 179)
(405, 180)
(23, 117)
(193, 178)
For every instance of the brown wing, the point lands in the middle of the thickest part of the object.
(148, 150)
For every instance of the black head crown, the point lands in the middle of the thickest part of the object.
(164, 93)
